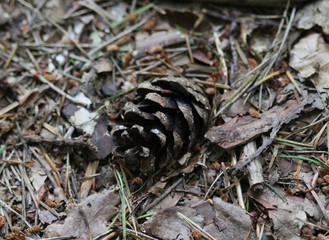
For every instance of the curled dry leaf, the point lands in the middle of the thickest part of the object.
(314, 14)
(310, 56)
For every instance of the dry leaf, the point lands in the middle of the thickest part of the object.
(310, 57)
(288, 221)
(314, 14)
(222, 220)
(97, 209)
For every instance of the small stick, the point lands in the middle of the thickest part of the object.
(30, 164)
(79, 142)
(237, 183)
(267, 77)
(53, 87)
(227, 181)
(53, 168)
(217, 85)
(187, 39)
(320, 203)
(9, 108)
(49, 209)
(254, 169)
(211, 186)
(41, 161)
(223, 66)
(237, 94)
(86, 184)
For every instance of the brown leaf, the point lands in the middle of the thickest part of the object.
(222, 220)
(97, 209)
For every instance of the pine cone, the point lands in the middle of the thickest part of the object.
(162, 125)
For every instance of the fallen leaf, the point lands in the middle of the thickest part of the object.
(260, 40)
(314, 14)
(167, 225)
(38, 175)
(288, 221)
(97, 208)
(222, 220)
(46, 216)
(310, 57)
(239, 107)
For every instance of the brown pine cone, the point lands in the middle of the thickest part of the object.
(162, 125)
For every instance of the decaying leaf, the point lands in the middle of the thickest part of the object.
(310, 56)
(222, 220)
(96, 210)
(238, 108)
(167, 225)
(314, 14)
(37, 175)
(288, 221)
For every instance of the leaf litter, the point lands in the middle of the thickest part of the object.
(135, 120)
